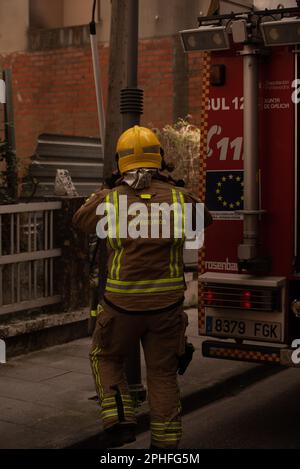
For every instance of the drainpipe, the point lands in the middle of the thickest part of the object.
(98, 85)
(131, 110)
(10, 154)
(248, 250)
(132, 96)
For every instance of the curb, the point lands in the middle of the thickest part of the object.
(190, 402)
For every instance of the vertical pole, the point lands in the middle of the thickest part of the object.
(12, 251)
(97, 78)
(249, 249)
(10, 138)
(35, 263)
(46, 228)
(1, 267)
(51, 247)
(131, 109)
(296, 168)
(29, 250)
(18, 252)
(132, 45)
(131, 116)
(102, 263)
(132, 96)
(251, 134)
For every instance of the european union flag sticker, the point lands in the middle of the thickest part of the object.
(224, 193)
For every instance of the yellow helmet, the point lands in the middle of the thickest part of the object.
(138, 147)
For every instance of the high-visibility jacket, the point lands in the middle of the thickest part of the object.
(143, 273)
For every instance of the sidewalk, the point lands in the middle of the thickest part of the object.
(46, 397)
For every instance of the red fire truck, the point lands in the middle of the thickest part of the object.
(250, 281)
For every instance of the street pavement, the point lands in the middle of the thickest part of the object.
(47, 398)
(265, 415)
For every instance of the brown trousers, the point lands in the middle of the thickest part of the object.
(163, 337)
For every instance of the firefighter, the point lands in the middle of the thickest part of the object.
(143, 298)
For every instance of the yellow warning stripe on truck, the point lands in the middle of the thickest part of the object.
(249, 353)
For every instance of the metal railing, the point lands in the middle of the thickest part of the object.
(27, 256)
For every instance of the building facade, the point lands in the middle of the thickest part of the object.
(46, 44)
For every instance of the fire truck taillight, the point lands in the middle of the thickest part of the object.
(252, 298)
(246, 300)
(209, 297)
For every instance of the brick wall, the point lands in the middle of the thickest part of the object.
(54, 90)
(156, 77)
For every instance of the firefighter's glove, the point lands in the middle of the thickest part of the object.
(185, 359)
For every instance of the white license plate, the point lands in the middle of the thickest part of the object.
(227, 327)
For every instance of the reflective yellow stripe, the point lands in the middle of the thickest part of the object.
(145, 196)
(176, 214)
(95, 312)
(145, 282)
(116, 205)
(116, 262)
(119, 263)
(95, 365)
(108, 211)
(128, 411)
(128, 406)
(109, 406)
(183, 213)
(180, 240)
(144, 290)
(108, 403)
(173, 255)
(165, 440)
(176, 259)
(104, 417)
(158, 438)
(176, 247)
(145, 286)
(166, 425)
(172, 252)
(113, 265)
(97, 378)
(108, 411)
(166, 431)
(164, 436)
